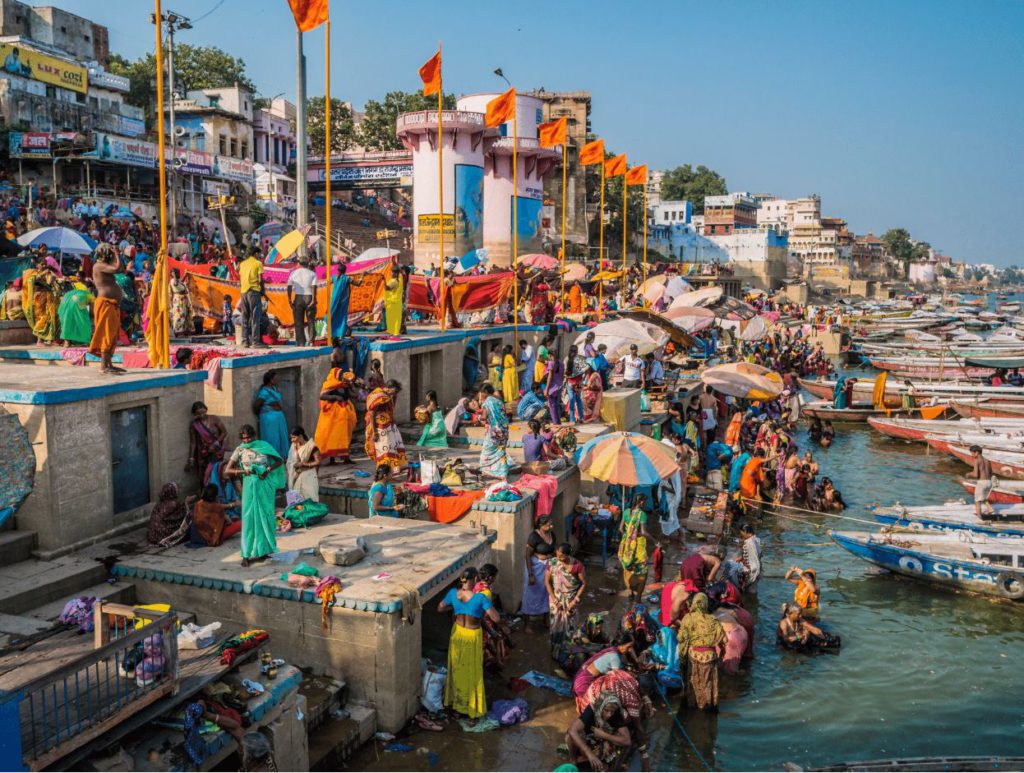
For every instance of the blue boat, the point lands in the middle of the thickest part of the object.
(974, 562)
(947, 518)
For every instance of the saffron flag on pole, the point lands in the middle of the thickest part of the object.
(553, 132)
(430, 74)
(592, 153)
(501, 109)
(637, 175)
(309, 14)
(615, 166)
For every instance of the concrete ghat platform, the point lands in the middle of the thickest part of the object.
(372, 638)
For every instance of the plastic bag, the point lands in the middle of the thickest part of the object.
(194, 637)
(306, 513)
(645, 401)
(433, 688)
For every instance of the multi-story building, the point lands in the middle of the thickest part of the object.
(77, 37)
(869, 257)
(728, 213)
(758, 255)
(773, 214)
(274, 142)
(670, 212)
(575, 105)
(216, 121)
(654, 178)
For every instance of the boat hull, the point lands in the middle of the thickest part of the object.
(998, 495)
(987, 410)
(840, 414)
(1006, 469)
(946, 572)
(941, 526)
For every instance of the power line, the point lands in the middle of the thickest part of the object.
(215, 7)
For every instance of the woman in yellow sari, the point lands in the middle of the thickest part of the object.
(337, 417)
(509, 375)
(394, 293)
(39, 300)
(384, 444)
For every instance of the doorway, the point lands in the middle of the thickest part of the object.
(129, 458)
(288, 380)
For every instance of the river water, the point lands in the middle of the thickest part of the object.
(922, 671)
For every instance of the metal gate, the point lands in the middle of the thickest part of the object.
(129, 457)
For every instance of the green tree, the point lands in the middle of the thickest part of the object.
(684, 183)
(377, 131)
(898, 243)
(343, 130)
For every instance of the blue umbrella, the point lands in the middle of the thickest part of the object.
(471, 259)
(58, 239)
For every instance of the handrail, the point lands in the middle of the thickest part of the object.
(77, 702)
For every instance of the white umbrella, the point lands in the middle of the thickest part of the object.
(58, 239)
(690, 318)
(756, 329)
(619, 334)
(703, 297)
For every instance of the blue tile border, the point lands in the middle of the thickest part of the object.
(118, 385)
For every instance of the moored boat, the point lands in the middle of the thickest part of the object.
(823, 409)
(974, 562)
(916, 429)
(1008, 522)
(976, 409)
(1004, 463)
(1004, 492)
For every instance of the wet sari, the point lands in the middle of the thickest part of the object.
(259, 525)
(337, 419)
(565, 584)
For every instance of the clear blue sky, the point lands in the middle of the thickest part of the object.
(905, 113)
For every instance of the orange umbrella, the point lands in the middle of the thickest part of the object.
(628, 459)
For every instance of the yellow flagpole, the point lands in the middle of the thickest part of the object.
(165, 340)
(515, 222)
(440, 191)
(646, 304)
(327, 170)
(625, 206)
(565, 165)
(600, 249)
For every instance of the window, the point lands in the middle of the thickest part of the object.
(232, 147)
(243, 151)
(223, 145)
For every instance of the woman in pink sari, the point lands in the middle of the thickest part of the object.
(593, 393)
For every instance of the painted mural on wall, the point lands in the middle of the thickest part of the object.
(530, 225)
(469, 208)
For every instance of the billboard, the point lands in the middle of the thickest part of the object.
(120, 150)
(530, 225)
(355, 176)
(29, 63)
(29, 144)
(469, 208)
(429, 229)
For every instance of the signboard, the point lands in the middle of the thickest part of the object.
(385, 234)
(132, 127)
(352, 176)
(430, 229)
(215, 188)
(29, 144)
(232, 169)
(28, 63)
(120, 150)
(191, 161)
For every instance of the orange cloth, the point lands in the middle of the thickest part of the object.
(337, 420)
(637, 175)
(501, 109)
(430, 74)
(732, 432)
(309, 14)
(615, 166)
(575, 300)
(806, 596)
(592, 153)
(553, 132)
(752, 477)
(448, 509)
(106, 326)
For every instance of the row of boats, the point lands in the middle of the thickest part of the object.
(932, 355)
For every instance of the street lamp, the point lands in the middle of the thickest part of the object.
(501, 75)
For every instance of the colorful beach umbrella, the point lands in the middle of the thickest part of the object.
(286, 246)
(628, 459)
(58, 239)
(538, 261)
(745, 380)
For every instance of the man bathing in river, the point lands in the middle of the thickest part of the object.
(982, 470)
(107, 309)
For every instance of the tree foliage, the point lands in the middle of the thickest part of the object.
(343, 130)
(377, 131)
(684, 183)
(902, 247)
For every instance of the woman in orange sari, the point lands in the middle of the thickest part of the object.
(575, 300)
(384, 443)
(337, 417)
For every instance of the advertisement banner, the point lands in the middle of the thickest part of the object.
(530, 225)
(121, 150)
(215, 188)
(29, 144)
(469, 207)
(429, 231)
(132, 127)
(29, 63)
(356, 176)
(232, 169)
(192, 161)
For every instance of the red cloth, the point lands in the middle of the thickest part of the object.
(546, 487)
(449, 509)
(470, 293)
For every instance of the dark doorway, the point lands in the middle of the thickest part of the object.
(129, 457)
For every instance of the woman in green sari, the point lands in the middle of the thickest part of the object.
(435, 434)
(75, 325)
(261, 469)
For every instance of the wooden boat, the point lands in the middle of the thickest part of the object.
(823, 409)
(894, 390)
(929, 765)
(1009, 520)
(1004, 492)
(917, 429)
(977, 409)
(1004, 463)
(974, 562)
(929, 367)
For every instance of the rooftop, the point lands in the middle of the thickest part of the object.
(42, 385)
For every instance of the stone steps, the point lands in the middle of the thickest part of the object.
(42, 618)
(31, 584)
(16, 546)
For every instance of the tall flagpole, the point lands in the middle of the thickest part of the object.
(645, 243)
(515, 220)
(600, 250)
(440, 191)
(165, 353)
(327, 170)
(565, 164)
(625, 205)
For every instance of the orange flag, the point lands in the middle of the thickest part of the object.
(430, 74)
(592, 153)
(615, 166)
(501, 109)
(553, 132)
(309, 14)
(637, 175)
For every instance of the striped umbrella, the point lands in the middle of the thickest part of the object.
(628, 459)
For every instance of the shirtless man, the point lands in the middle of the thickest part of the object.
(107, 308)
(708, 414)
(982, 470)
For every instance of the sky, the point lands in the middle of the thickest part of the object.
(898, 114)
